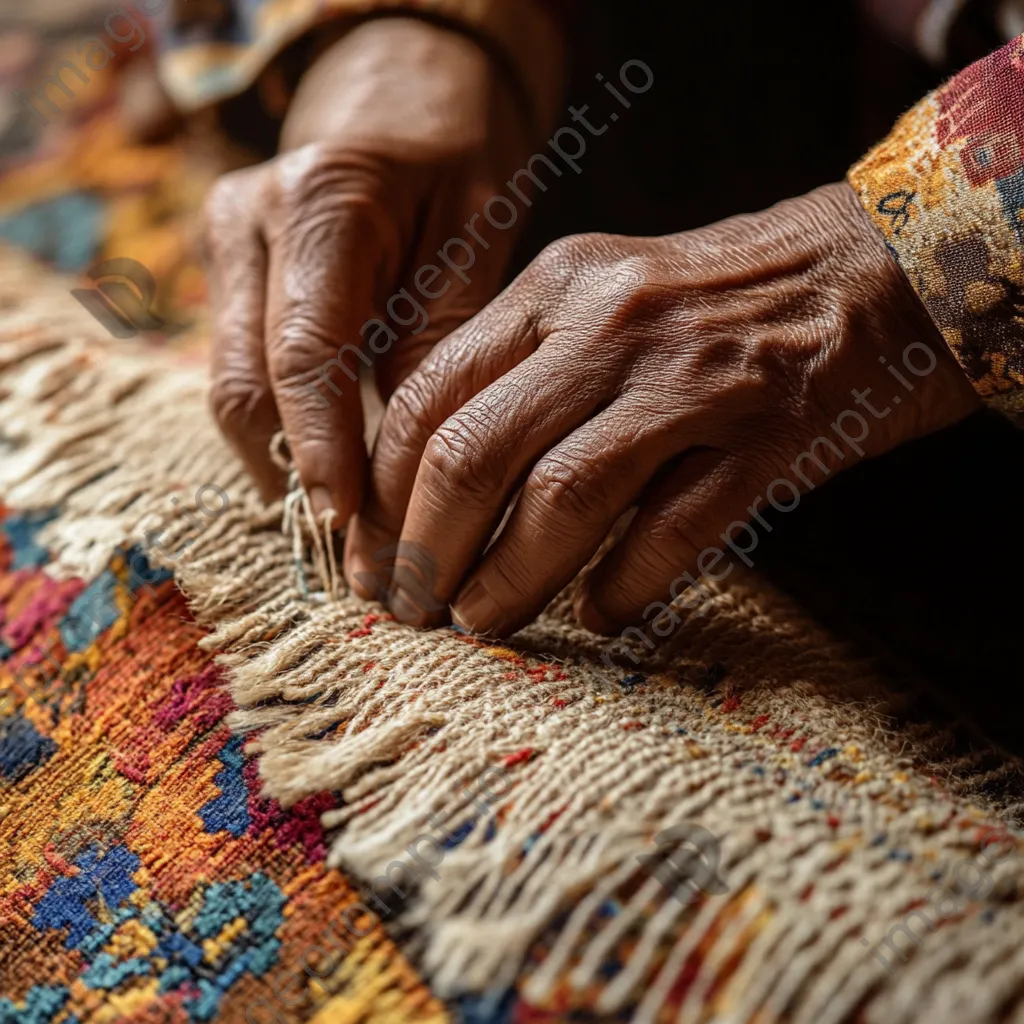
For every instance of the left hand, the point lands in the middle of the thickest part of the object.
(330, 254)
(685, 375)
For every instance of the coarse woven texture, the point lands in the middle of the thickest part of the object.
(946, 188)
(142, 875)
(839, 811)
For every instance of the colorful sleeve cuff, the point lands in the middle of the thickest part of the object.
(200, 72)
(946, 188)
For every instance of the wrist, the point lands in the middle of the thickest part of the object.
(894, 340)
(400, 77)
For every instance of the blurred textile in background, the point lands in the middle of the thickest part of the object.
(90, 165)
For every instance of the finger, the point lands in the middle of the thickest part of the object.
(323, 265)
(240, 395)
(675, 538)
(476, 460)
(461, 366)
(441, 298)
(568, 505)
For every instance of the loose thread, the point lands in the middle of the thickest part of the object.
(297, 514)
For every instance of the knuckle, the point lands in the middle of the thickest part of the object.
(457, 453)
(299, 176)
(637, 302)
(409, 407)
(634, 298)
(681, 533)
(223, 205)
(218, 200)
(301, 348)
(567, 489)
(236, 401)
(313, 187)
(569, 252)
(328, 211)
(583, 268)
(557, 263)
(227, 224)
(408, 418)
(590, 248)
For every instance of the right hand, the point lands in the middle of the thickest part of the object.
(397, 136)
(696, 377)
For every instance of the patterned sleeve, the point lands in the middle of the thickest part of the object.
(211, 50)
(946, 188)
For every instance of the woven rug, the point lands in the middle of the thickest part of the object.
(142, 875)
(870, 868)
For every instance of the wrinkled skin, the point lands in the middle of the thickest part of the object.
(396, 137)
(680, 374)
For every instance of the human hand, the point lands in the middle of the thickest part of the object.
(395, 139)
(683, 375)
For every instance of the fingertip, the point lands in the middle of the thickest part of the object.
(408, 610)
(322, 501)
(366, 581)
(476, 611)
(592, 617)
(334, 476)
(367, 565)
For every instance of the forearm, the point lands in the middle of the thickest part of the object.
(207, 59)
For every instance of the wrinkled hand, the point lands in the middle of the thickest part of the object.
(395, 139)
(683, 375)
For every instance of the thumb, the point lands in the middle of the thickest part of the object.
(320, 287)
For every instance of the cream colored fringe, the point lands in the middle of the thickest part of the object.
(399, 721)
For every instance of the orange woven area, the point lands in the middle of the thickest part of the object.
(144, 878)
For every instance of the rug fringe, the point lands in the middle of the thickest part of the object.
(792, 763)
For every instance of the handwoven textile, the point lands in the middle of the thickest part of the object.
(839, 812)
(142, 875)
(76, 188)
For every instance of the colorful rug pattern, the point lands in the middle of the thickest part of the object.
(144, 877)
(149, 880)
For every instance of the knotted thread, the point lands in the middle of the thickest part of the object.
(298, 520)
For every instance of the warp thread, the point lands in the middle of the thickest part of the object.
(299, 521)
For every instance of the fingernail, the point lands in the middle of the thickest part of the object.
(405, 609)
(320, 499)
(370, 578)
(591, 619)
(368, 584)
(475, 609)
